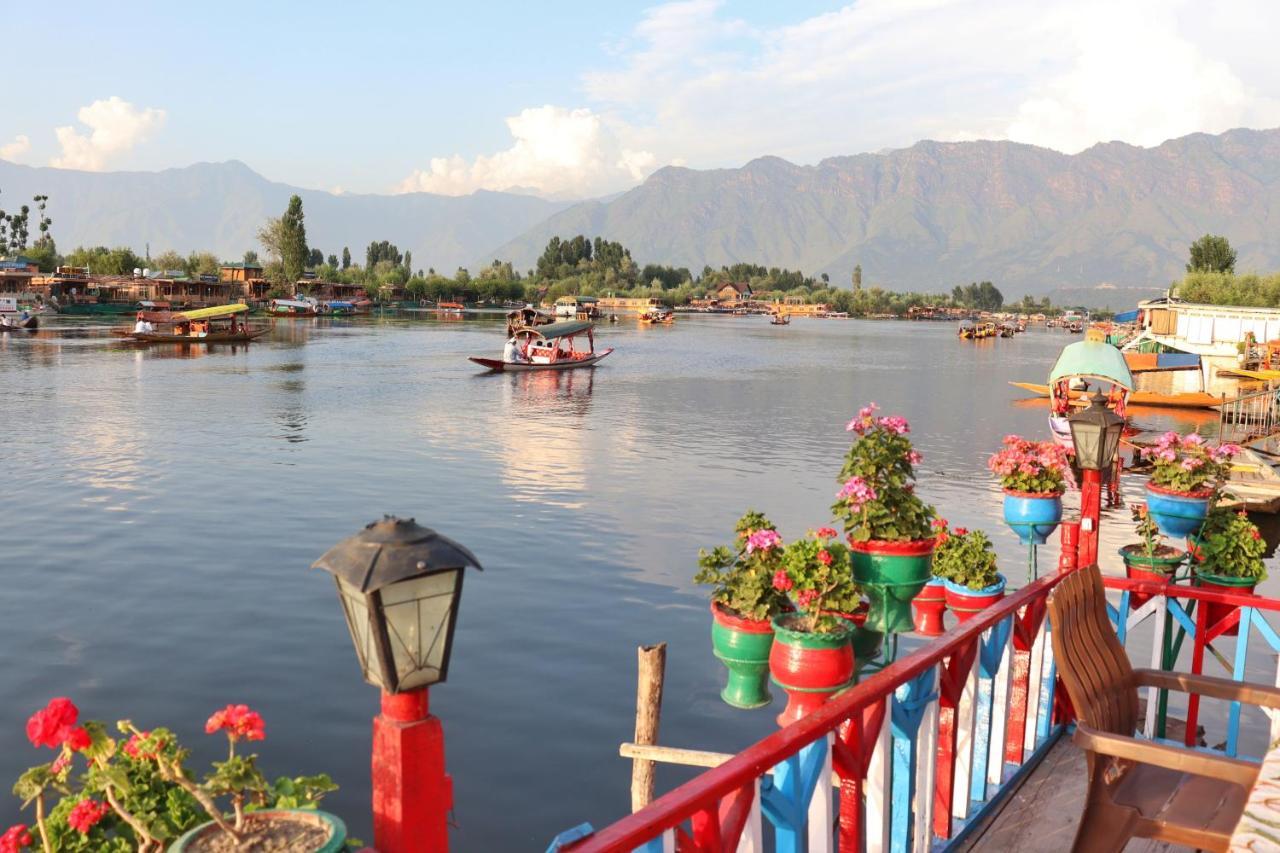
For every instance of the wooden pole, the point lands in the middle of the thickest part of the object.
(653, 664)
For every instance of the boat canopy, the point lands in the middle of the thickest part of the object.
(567, 329)
(292, 303)
(1093, 360)
(337, 303)
(207, 313)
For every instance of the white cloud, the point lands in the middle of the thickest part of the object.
(115, 127)
(12, 151)
(556, 151)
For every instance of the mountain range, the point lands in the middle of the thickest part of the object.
(1113, 221)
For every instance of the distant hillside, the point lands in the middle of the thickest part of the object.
(936, 214)
(220, 206)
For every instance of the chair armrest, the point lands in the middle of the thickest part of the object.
(1208, 685)
(1186, 760)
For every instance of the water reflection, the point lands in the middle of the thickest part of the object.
(543, 455)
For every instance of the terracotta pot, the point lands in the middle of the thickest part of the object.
(1217, 612)
(965, 603)
(742, 645)
(1158, 568)
(810, 667)
(929, 607)
(892, 574)
(1178, 514)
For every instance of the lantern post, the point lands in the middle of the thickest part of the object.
(400, 585)
(1095, 436)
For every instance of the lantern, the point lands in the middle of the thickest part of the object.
(399, 584)
(1095, 434)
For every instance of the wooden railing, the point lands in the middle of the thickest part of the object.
(923, 750)
(1249, 416)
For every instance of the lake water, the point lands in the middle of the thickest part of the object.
(163, 507)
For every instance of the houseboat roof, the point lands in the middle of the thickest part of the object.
(573, 300)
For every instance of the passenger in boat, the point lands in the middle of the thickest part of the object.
(142, 326)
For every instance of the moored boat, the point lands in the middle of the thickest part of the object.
(293, 308)
(549, 347)
(221, 324)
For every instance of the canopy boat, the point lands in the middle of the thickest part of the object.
(527, 316)
(549, 347)
(1008, 330)
(661, 315)
(780, 320)
(22, 323)
(450, 308)
(338, 308)
(293, 308)
(221, 324)
(967, 330)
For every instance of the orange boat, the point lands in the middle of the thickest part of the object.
(1185, 400)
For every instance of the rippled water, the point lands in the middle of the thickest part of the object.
(163, 506)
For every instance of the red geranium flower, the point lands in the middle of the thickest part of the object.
(131, 746)
(238, 722)
(86, 815)
(60, 763)
(15, 838)
(826, 533)
(52, 724)
(962, 531)
(781, 581)
(824, 557)
(77, 739)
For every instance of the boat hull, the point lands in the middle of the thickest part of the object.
(227, 338)
(497, 365)
(1189, 400)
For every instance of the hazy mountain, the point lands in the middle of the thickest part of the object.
(220, 206)
(937, 214)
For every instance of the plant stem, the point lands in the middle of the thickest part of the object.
(237, 803)
(179, 778)
(145, 838)
(44, 833)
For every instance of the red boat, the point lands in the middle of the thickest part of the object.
(548, 347)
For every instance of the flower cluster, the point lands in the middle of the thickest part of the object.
(238, 722)
(1231, 546)
(742, 577)
(15, 838)
(136, 747)
(763, 540)
(817, 574)
(86, 814)
(1188, 464)
(964, 557)
(54, 726)
(877, 499)
(1034, 467)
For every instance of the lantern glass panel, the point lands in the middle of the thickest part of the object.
(355, 606)
(418, 614)
(1086, 435)
(1114, 429)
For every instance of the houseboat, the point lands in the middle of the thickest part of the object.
(581, 307)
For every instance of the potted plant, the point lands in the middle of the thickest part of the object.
(966, 563)
(136, 793)
(1185, 475)
(812, 656)
(887, 524)
(930, 604)
(1032, 475)
(1149, 559)
(1230, 559)
(743, 601)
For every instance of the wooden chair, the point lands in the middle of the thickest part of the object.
(1139, 788)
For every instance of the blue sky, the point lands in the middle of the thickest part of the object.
(577, 99)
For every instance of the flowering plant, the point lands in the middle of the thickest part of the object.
(1034, 467)
(136, 794)
(877, 498)
(1188, 464)
(1231, 546)
(964, 557)
(817, 575)
(742, 577)
(1149, 531)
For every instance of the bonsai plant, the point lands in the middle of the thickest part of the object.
(887, 523)
(1149, 559)
(1033, 476)
(812, 656)
(136, 794)
(1186, 474)
(1230, 558)
(743, 601)
(966, 562)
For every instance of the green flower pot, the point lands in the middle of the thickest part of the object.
(891, 574)
(191, 842)
(743, 646)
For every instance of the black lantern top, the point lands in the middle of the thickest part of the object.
(390, 551)
(1095, 434)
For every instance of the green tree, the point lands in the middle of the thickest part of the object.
(293, 233)
(202, 263)
(170, 261)
(857, 277)
(250, 258)
(332, 261)
(1212, 253)
(315, 258)
(346, 258)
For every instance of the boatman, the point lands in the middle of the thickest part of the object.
(511, 352)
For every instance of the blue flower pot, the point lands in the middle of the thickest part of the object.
(1178, 514)
(1032, 517)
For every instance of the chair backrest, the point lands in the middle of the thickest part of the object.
(1090, 659)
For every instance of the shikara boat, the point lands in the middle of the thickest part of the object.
(1186, 400)
(19, 324)
(221, 324)
(658, 317)
(293, 308)
(780, 320)
(549, 347)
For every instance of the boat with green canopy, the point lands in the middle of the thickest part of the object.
(221, 324)
(549, 347)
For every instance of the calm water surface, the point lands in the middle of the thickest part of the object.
(163, 507)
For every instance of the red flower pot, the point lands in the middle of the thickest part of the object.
(1217, 612)
(810, 667)
(1158, 568)
(965, 603)
(929, 606)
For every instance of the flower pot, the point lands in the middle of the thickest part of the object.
(866, 643)
(929, 606)
(742, 645)
(965, 602)
(1217, 612)
(1178, 514)
(1158, 568)
(891, 574)
(1032, 516)
(810, 667)
(274, 828)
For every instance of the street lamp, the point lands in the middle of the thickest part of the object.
(400, 585)
(1095, 436)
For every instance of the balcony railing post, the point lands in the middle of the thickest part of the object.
(1069, 557)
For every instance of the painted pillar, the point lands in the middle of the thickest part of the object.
(1090, 512)
(1069, 557)
(412, 793)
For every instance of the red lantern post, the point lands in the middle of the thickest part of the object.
(412, 793)
(1090, 515)
(1069, 556)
